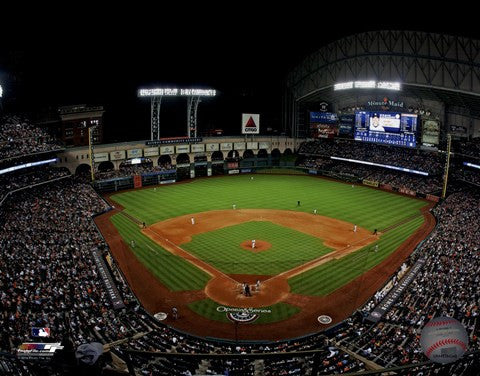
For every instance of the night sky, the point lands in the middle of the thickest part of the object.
(245, 54)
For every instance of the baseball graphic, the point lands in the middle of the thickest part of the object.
(444, 340)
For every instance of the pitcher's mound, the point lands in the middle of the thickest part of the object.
(260, 245)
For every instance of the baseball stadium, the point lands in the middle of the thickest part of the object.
(347, 243)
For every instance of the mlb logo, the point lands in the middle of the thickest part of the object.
(40, 332)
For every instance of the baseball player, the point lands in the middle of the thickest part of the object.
(234, 206)
(315, 211)
(132, 243)
(193, 220)
(257, 285)
(376, 248)
(253, 243)
(354, 228)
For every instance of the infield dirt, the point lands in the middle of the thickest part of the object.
(226, 289)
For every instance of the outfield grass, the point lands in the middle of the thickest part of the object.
(364, 206)
(326, 278)
(208, 308)
(173, 271)
(221, 248)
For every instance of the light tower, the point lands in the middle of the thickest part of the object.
(193, 97)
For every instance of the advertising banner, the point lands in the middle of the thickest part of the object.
(323, 117)
(212, 147)
(250, 123)
(150, 152)
(239, 145)
(117, 155)
(226, 146)
(137, 181)
(430, 132)
(252, 145)
(395, 292)
(264, 145)
(370, 183)
(134, 153)
(323, 130)
(100, 157)
(198, 148)
(173, 140)
(407, 191)
(433, 198)
(182, 149)
(167, 150)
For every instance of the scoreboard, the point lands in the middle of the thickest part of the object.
(392, 128)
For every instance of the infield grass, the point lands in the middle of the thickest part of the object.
(221, 248)
(366, 207)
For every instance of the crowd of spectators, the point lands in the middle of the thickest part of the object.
(468, 148)
(12, 181)
(469, 175)
(20, 137)
(397, 179)
(48, 278)
(427, 161)
(446, 286)
(129, 170)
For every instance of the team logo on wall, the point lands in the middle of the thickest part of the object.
(324, 106)
(250, 123)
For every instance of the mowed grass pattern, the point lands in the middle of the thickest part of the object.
(326, 278)
(363, 206)
(221, 248)
(208, 308)
(174, 272)
(360, 205)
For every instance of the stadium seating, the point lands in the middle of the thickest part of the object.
(48, 278)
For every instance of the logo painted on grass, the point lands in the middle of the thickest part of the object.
(243, 315)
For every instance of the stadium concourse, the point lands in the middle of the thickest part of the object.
(50, 277)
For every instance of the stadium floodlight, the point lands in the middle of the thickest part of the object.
(173, 92)
(1, 91)
(389, 85)
(386, 85)
(365, 84)
(343, 86)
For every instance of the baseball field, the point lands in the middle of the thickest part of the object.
(316, 251)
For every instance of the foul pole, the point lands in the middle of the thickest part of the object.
(447, 165)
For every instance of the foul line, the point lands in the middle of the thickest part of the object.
(193, 258)
(387, 229)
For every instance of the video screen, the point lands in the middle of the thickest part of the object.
(393, 128)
